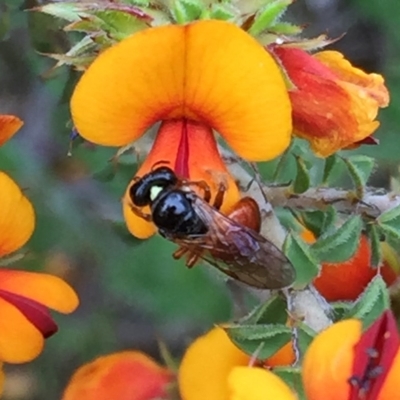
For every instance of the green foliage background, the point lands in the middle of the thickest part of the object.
(132, 292)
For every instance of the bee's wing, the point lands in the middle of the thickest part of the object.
(239, 252)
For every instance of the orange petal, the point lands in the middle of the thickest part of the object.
(283, 357)
(48, 290)
(209, 71)
(372, 84)
(331, 109)
(328, 362)
(20, 341)
(9, 125)
(17, 219)
(128, 375)
(206, 366)
(186, 159)
(257, 384)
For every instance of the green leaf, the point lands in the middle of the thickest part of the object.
(187, 10)
(302, 180)
(292, 376)
(119, 25)
(274, 311)
(298, 252)
(340, 245)
(223, 11)
(373, 233)
(268, 16)
(372, 302)
(305, 336)
(260, 340)
(360, 168)
(340, 309)
(5, 21)
(319, 222)
(389, 223)
(285, 28)
(330, 168)
(69, 11)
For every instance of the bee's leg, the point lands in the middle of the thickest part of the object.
(192, 260)
(180, 252)
(141, 214)
(203, 185)
(219, 197)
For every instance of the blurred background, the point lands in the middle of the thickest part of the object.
(133, 294)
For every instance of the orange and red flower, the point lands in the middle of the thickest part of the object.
(25, 296)
(344, 363)
(194, 78)
(214, 368)
(334, 104)
(128, 375)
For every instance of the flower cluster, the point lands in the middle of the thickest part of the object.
(343, 362)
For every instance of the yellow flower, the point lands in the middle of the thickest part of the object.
(193, 78)
(214, 368)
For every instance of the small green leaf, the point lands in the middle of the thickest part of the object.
(187, 10)
(319, 222)
(223, 11)
(298, 252)
(285, 28)
(360, 168)
(260, 340)
(340, 309)
(274, 311)
(69, 11)
(268, 16)
(305, 336)
(375, 244)
(340, 245)
(302, 180)
(372, 302)
(390, 217)
(331, 164)
(292, 376)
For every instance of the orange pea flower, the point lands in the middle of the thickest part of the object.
(127, 375)
(214, 368)
(347, 280)
(195, 78)
(9, 125)
(25, 296)
(334, 104)
(343, 363)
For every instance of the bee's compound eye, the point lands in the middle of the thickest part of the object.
(139, 194)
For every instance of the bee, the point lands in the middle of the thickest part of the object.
(230, 243)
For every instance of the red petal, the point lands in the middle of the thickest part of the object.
(373, 357)
(37, 314)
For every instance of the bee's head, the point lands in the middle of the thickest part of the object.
(146, 189)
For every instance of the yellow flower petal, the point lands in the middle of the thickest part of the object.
(48, 290)
(206, 365)
(257, 384)
(17, 219)
(20, 341)
(9, 125)
(207, 71)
